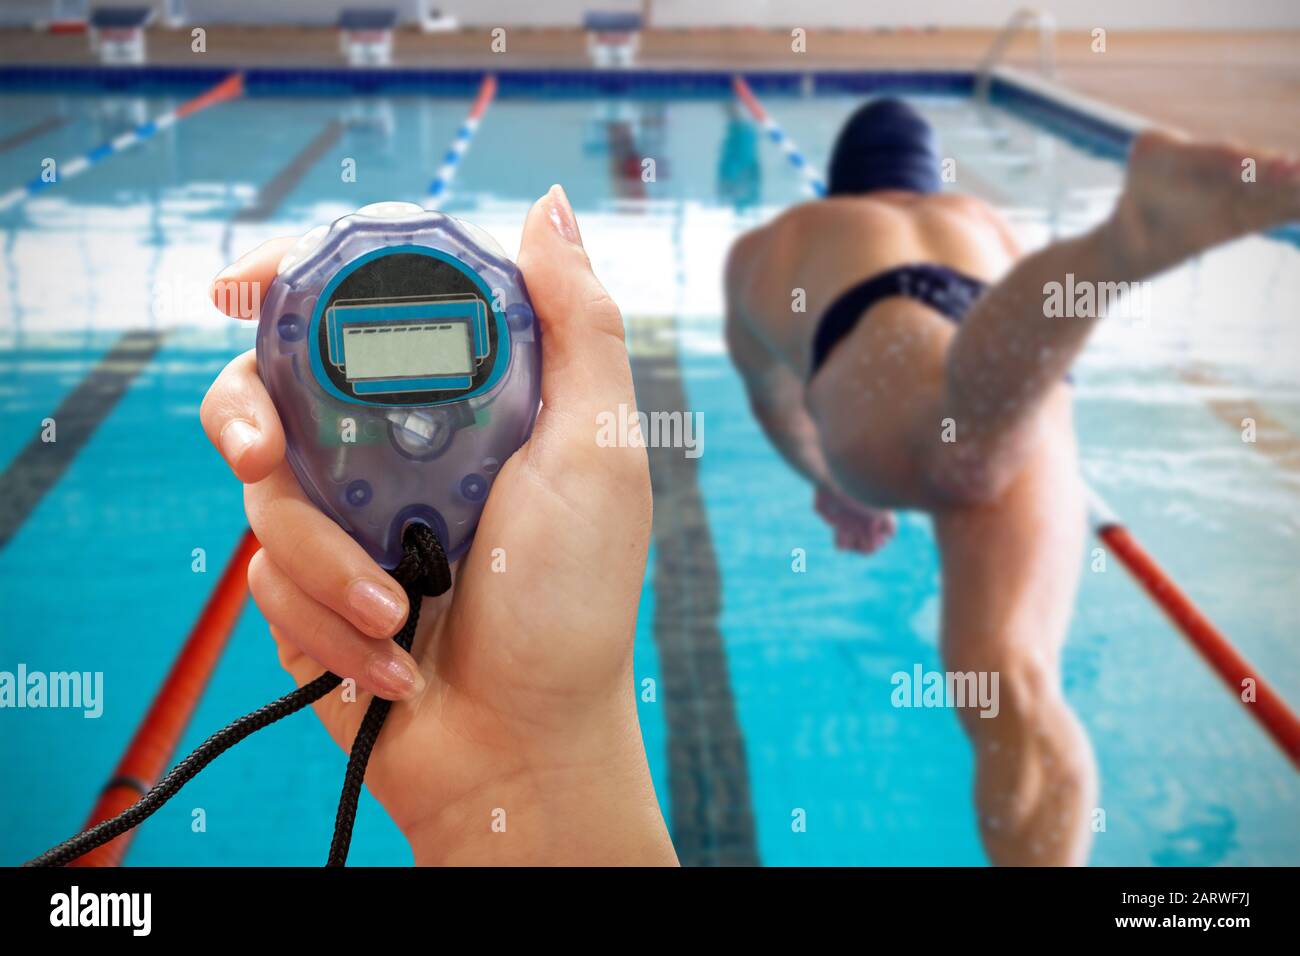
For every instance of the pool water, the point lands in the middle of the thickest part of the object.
(772, 701)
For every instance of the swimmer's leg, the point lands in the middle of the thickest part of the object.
(1010, 572)
(1180, 198)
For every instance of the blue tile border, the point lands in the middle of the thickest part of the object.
(511, 82)
(109, 79)
(1081, 128)
(934, 82)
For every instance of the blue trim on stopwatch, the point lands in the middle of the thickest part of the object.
(499, 366)
(439, 383)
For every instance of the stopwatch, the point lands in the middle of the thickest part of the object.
(401, 350)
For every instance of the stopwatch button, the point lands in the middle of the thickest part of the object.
(482, 237)
(519, 316)
(302, 248)
(474, 487)
(359, 493)
(391, 210)
(291, 326)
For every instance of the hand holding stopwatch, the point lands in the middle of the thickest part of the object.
(401, 351)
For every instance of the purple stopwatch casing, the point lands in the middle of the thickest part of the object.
(403, 356)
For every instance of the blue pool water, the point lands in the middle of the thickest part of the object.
(98, 577)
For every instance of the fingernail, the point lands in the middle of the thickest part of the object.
(236, 438)
(394, 678)
(561, 215)
(380, 611)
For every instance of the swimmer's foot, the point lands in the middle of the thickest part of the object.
(1183, 197)
(857, 527)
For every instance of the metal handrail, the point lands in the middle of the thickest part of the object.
(1046, 25)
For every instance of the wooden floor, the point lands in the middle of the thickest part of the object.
(1240, 85)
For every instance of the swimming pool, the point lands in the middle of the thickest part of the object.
(773, 692)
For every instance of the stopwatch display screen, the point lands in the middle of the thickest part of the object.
(406, 329)
(406, 350)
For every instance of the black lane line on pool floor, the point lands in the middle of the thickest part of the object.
(282, 183)
(708, 774)
(40, 465)
(14, 140)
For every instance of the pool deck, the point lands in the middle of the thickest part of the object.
(1242, 85)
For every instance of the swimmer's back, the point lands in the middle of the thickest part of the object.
(825, 247)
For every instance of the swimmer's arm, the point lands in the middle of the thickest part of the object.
(777, 400)
(793, 434)
(775, 392)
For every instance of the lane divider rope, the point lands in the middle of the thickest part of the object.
(1268, 707)
(159, 733)
(813, 183)
(438, 189)
(229, 88)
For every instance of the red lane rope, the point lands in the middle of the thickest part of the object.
(150, 751)
(485, 93)
(1268, 708)
(229, 88)
(739, 84)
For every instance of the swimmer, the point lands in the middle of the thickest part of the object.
(517, 740)
(924, 375)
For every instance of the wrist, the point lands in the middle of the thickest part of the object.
(593, 805)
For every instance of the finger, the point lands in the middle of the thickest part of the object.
(380, 667)
(301, 667)
(240, 420)
(584, 359)
(321, 558)
(340, 716)
(340, 713)
(240, 287)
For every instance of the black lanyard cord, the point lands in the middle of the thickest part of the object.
(423, 571)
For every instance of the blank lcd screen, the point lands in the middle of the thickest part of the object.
(418, 350)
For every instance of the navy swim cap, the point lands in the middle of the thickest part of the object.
(884, 145)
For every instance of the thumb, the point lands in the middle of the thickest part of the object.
(584, 359)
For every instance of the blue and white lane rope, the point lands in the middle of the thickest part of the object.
(813, 183)
(438, 189)
(229, 88)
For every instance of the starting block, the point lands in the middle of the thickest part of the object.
(613, 38)
(366, 36)
(117, 33)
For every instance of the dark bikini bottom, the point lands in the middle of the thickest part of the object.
(945, 290)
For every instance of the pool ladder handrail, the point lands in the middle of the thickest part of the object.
(1025, 16)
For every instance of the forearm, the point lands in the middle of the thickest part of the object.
(777, 401)
(795, 437)
(775, 396)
